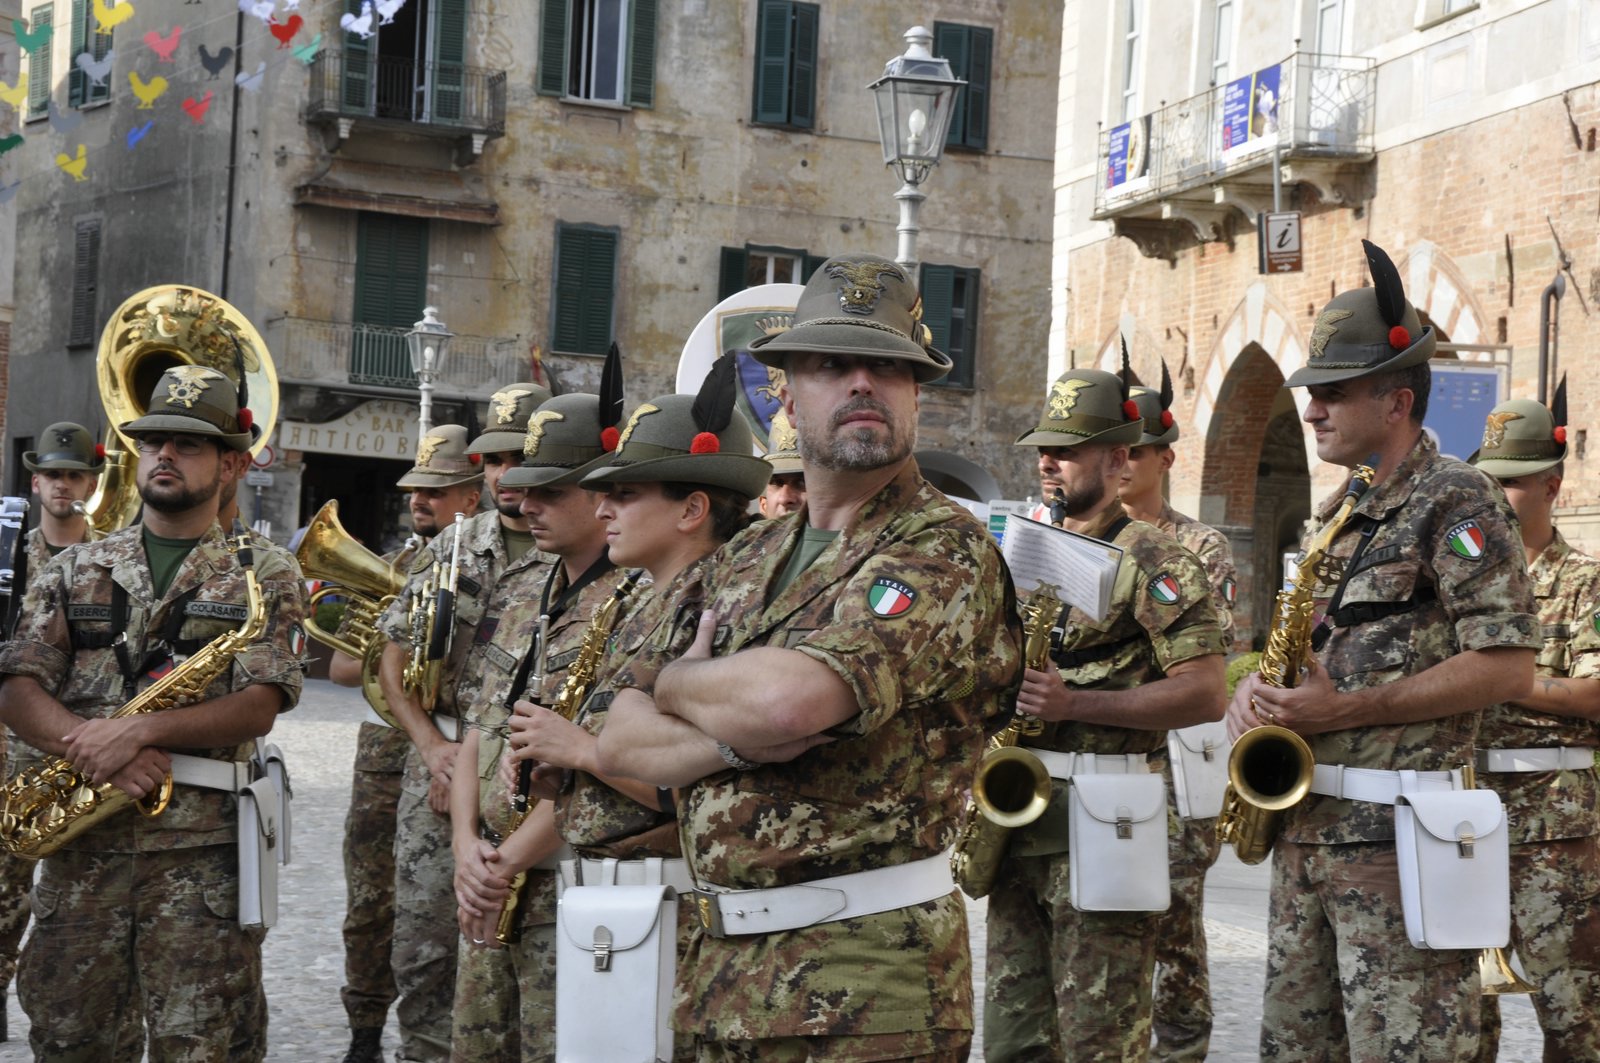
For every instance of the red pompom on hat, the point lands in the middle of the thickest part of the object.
(1130, 410)
(1561, 434)
(246, 418)
(705, 443)
(1166, 418)
(473, 459)
(1399, 338)
(99, 450)
(609, 438)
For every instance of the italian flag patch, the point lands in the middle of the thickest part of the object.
(1230, 589)
(890, 597)
(1466, 540)
(297, 640)
(1164, 589)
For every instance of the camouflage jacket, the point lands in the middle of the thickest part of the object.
(911, 606)
(1211, 547)
(1543, 806)
(19, 754)
(1447, 542)
(379, 747)
(69, 606)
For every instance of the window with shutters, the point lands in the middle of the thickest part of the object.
(586, 279)
(602, 51)
(950, 310)
(786, 64)
(82, 86)
(750, 265)
(39, 76)
(970, 50)
(85, 282)
(391, 290)
(412, 68)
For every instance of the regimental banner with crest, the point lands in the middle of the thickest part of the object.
(731, 325)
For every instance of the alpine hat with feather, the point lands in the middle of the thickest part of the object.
(199, 401)
(1160, 427)
(65, 445)
(1088, 406)
(570, 434)
(1366, 331)
(509, 410)
(1521, 437)
(442, 460)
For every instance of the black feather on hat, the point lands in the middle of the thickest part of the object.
(1386, 280)
(1130, 409)
(1166, 387)
(611, 397)
(714, 405)
(1558, 409)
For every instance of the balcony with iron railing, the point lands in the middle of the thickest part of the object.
(351, 90)
(341, 353)
(1193, 162)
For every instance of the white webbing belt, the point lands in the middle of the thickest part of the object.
(230, 776)
(1376, 785)
(448, 725)
(1554, 758)
(1066, 765)
(649, 871)
(724, 912)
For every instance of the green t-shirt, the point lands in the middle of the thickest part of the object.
(812, 542)
(518, 543)
(165, 557)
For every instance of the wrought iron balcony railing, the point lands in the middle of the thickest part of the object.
(447, 98)
(335, 352)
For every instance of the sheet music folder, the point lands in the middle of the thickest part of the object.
(1082, 568)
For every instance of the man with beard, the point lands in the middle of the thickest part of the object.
(425, 931)
(1064, 983)
(145, 909)
(817, 823)
(449, 482)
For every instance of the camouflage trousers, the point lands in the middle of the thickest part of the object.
(425, 928)
(922, 1046)
(112, 929)
(505, 1006)
(1343, 983)
(1555, 929)
(16, 883)
(1182, 981)
(1063, 984)
(369, 828)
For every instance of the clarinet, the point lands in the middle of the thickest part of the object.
(505, 930)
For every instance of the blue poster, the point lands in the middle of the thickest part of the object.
(1117, 155)
(1463, 393)
(1236, 112)
(1250, 107)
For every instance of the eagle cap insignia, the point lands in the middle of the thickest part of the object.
(1494, 430)
(861, 288)
(188, 383)
(1327, 324)
(1064, 396)
(64, 438)
(504, 404)
(644, 410)
(427, 448)
(536, 423)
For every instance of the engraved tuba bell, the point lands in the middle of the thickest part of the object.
(160, 327)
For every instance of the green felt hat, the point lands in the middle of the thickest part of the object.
(1088, 406)
(65, 445)
(199, 401)
(1522, 437)
(1155, 409)
(443, 460)
(784, 443)
(509, 410)
(1366, 331)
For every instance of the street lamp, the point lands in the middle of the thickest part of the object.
(916, 98)
(427, 343)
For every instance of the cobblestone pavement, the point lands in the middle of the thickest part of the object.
(305, 956)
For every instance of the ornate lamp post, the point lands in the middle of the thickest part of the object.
(427, 343)
(916, 99)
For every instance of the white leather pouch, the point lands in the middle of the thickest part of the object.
(1455, 868)
(259, 838)
(269, 759)
(1199, 757)
(616, 955)
(1118, 838)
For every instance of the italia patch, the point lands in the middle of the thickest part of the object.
(890, 597)
(1466, 540)
(1164, 589)
(297, 640)
(1230, 589)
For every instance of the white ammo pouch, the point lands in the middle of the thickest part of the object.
(1199, 757)
(1117, 830)
(1454, 853)
(261, 787)
(616, 955)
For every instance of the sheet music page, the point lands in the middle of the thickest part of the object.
(1083, 569)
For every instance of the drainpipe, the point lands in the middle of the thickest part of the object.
(233, 155)
(1549, 332)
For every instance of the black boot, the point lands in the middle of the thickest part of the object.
(366, 1045)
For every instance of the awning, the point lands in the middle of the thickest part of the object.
(415, 193)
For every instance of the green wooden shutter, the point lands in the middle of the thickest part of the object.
(585, 281)
(809, 264)
(642, 54)
(391, 289)
(356, 69)
(773, 42)
(803, 83)
(730, 274)
(85, 282)
(936, 285)
(449, 56)
(77, 80)
(39, 76)
(964, 333)
(950, 41)
(974, 102)
(553, 48)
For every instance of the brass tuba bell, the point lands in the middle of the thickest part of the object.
(160, 327)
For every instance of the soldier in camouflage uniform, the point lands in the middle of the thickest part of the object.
(425, 930)
(882, 619)
(449, 483)
(1182, 994)
(1538, 751)
(1431, 624)
(146, 908)
(1065, 984)
(67, 471)
(505, 997)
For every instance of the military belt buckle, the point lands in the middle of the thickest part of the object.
(710, 913)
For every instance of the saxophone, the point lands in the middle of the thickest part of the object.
(1011, 788)
(580, 676)
(1269, 769)
(44, 807)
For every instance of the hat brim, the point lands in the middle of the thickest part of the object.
(1167, 438)
(497, 442)
(743, 474)
(1420, 351)
(430, 478)
(190, 426)
(786, 465)
(927, 363)
(1510, 469)
(30, 461)
(551, 475)
(1123, 434)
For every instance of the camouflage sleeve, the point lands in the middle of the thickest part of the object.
(40, 648)
(1482, 575)
(393, 621)
(1583, 644)
(916, 621)
(275, 657)
(1217, 558)
(1174, 605)
(657, 631)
